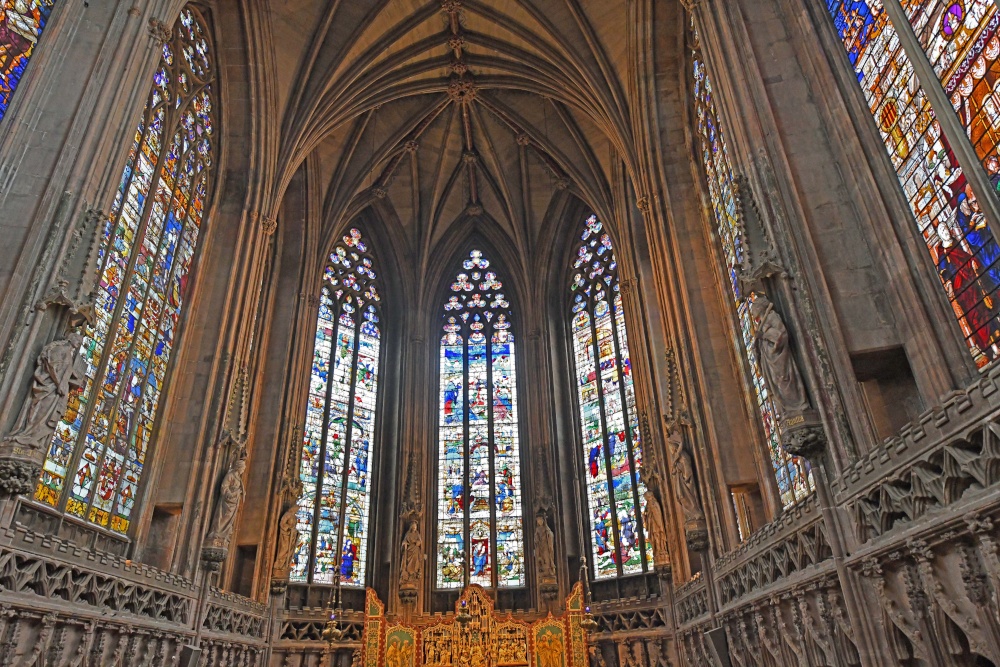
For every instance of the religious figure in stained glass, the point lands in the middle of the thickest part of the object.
(21, 25)
(336, 465)
(961, 42)
(612, 443)
(480, 536)
(793, 474)
(97, 456)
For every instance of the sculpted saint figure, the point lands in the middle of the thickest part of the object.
(777, 365)
(59, 370)
(596, 656)
(682, 473)
(230, 496)
(412, 561)
(544, 550)
(288, 538)
(656, 528)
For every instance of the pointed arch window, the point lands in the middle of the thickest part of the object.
(98, 455)
(21, 26)
(612, 443)
(479, 463)
(960, 42)
(336, 465)
(793, 474)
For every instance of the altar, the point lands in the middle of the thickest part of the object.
(475, 636)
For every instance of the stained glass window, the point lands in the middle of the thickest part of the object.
(99, 451)
(793, 474)
(612, 443)
(21, 26)
(959, 38)
(340, 421)
(480, 537)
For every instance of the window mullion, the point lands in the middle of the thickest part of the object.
(945, 114)
(325, 433)
(348, 440)
(169, 121)
(467, 461)
(494, 575)
(608, 475)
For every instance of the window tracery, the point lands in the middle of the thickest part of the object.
(99, 451)
(336, 465)
(612, 442)
(479, 467)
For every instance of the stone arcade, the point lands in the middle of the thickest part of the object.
(471, 333)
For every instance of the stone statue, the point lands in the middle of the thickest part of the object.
(59, 370)
(412, 558)
(777, 365)
(596, 656)
(544, 550)
(288, 539)
(682, 473)
(657, 529)
(230, 497)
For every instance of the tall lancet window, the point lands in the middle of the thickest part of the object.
(21, 26)
(99, 451)
(339, 431)
(612, 444)
(959, 40)
(479, 464)
(793, 475)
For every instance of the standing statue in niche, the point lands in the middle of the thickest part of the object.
(412, 559)
(596, 656)
(682, 472)
(288, 539)
(657, 530)
(544, 550)
(777, 365)
(59, 371)
(230, 496)
(800, 427)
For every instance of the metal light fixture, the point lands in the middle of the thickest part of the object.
(332, 632)
(589, 624)
(464, 617)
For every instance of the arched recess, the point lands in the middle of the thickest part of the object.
(481, 235)
(221, 295)
(566, 223)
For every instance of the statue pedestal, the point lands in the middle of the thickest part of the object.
(802, 434)
(20, 468)
(549, 588)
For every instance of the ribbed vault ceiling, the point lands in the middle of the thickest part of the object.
(449, 111)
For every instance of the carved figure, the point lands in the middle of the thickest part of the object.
(549, 650)
(682, 472)
(288, 538)
(230, 497)
(777, 365)
(656, 529)
(596, 656)
(59, 370)
(544, 550)
(412, 561)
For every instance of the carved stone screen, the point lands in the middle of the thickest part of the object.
(96, 460)
(612, 443)
(336, 465)
(479, 463)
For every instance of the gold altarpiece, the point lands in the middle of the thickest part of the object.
(484, 639)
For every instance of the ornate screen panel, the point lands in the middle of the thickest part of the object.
(99, 451)
(612, 442)
(336, 464)
(21, 26)
(480, 537)
(793, 474)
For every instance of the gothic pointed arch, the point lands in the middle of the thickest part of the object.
(609, 420)
(480, 533)
(101, 447)
(336, 466)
